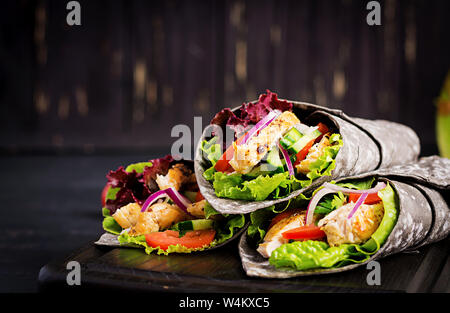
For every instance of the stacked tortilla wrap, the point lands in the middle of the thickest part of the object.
(367, 145)
(422, 189)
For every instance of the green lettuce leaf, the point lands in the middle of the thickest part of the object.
(359, 184)
(210, 211)
(233, 186)
(305, 255)
(330, 203)
(211, 152)
(138, 167)
(225, 232)
(390, 203)
(259, 221)
(109, 223)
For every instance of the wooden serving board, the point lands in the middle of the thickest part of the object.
(425, 270)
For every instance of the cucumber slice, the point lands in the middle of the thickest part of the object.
(274, 161)
(269, 165)
(264, 169)
(302, 142)
(291, 137)
(200, 224)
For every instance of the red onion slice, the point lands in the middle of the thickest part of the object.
(358, 203)
(313, 203)
(288, 161)
(331, 188)
(173, 194)
(152, 198)
(263, 123)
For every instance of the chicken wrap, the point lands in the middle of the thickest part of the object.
(350, 222)
(156, 205)
(280, 149)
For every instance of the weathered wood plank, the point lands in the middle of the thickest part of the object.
(122, 74)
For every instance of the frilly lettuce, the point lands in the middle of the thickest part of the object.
(233, 186)
(109, 223)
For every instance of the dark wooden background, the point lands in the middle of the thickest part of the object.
(133, 69)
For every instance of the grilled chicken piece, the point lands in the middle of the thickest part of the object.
(178, 175)
(127, 215)
(167, 214)
(314, 153)
(358, 229)
(197, 209)
(145, 224)
(274, 237)
(158, 217)
(246, 156)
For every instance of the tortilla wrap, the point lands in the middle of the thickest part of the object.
(368, 146)
(423, 189)
(111, 240)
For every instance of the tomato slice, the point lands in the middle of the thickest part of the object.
(301, 155)
(307, 232)
(323, 129)
(223, 164)
(104, 192)
(199, 197)
(371, 198)
(192, 239)
(283, 215)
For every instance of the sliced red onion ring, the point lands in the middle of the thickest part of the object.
(173, 194)
(358, 203)
(152, 198)
(313, 203)
(378, 187)
(263, 123)
(288, 161)
(331, 188)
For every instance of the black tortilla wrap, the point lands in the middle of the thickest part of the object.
(423, 218)
(368, 145)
